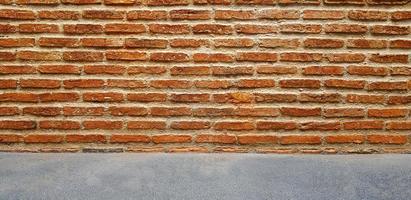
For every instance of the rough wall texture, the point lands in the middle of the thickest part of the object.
(280, 76)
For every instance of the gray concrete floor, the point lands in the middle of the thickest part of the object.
(204, 176)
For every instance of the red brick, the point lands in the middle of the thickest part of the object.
(345, 58)
(300, 83)
(17, 124)
(39, 55)
(83, 83)
(58, 69)
(401, 15)
(320, 98)
(10, 138)
(300, 139)
(323, 43)
(210, 138)
(42, 111)
(103, 97)
(343, 112)
(345, 28)
(59, 97)
(323, 14)
(323, 70)
(198, 71)
(190, 125)
(217, 29)
(215, 57)
(145, 43)
(17, 14)
(232, 71)
(363, 125)
(366, 44)
(128, 111)
(390, 30)
(63, 125)
(18, 97)
(147, 97)
(320, 126)
(272, 97)
(300, 57)
(338, 139)
(234, 126)
(8, 84)
(170, 111)
(378, 58)
(129, 139)
(369, 99)
(187, 14)
(387, 139)
(300, 28)
(182, 84)
(256, 57)
(167, 2)
(169, 28)
(389, 112)
(387, 86)
(400, 44)
(234, 15)
(118, 28)
(43, 138)
(83, 56)
(279, 43)
(188, 43)
(104, 69)
(367, 71)
(169, 57)
(146, 125)
(83, 111)
(106, 125)
(89, 138)
(103, 14)
(58, 42)
(18, 42)
(368, 15)
(273, 125)
(102, 42)
(249, 29)
(190, 98)
(399, 125)
(40, 83)
(146, 15)
(168, 138)
(58, 14)
(126, 56)
(278, 14)
(300, 112)
(9, 111)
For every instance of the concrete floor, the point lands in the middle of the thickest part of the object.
(204, 176)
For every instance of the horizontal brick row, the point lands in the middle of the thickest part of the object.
(208, 138)
(208, 112)
(203, 29)
(167, 57)
(204, 14)
(231, 97)
(204, 70)
(205, 2)
(244, 43)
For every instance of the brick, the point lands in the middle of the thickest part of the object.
(212, 112)
(320, 126)
(103, 14)
(8, 28)
(344, 84)
(363, 125)
(17, 69)
(366, 44)
(234, 15)
(58, 14)
(255, 2)
(401, 15)
(169, 28)
(323, 43)
(190, 125)
(17, 14)
(275, 14)
(187, 14)
(127, 84)
(215, 57)
(146, 15)
(79, 29)
(320, 98)
(167, 2)
(58, 69)
(249, 29)
(345, 28)
(83, 83)
(343, 112)
(387, 113)
(170, 111)
(338, 139)
(255, 83)
(119, 28)
(18, 42)
(58, 42)
(168, 138)
(323, 14)
(368, 99)
(17, 125)
(279, 43)
(190, 98)
(345, 58)
(274, 125)
(83, 111)
(378, 58)
(83, 56)
(399, 100)
(182, 84)
(300, 57)
(126, 56)
(10, 138)
(217, 29)
(43, 138)
(188, 43)
(217, 84)
(300, 28)
(390, 30)
(146, 70)
(323, 70)
(368, 15)
(40, 83)
(367, 71)
(5, 84)
(400, 44)
(169, 57)
(145, 43)
(299, 139)
(18, 97)
(121, 2)
(39, 55)
(300, 83)
(89, 138)
(101, 42)
(256, 112)
(147, 97)
(235, 97)
(42, 111)
(234, 126)
(267, 69)
(233, 43)
(62, 125)
(211, 2)
(81, 2)
(105, 125)
(221, 139)
(387, 86)
(9, 111)
(232, 71)
(270, 97)
(345, 2)
(300, 112)
(256, 57)
(398, 125)
(146, 125)
(103, 97)
(128, 111)
(197, 71)
(129, 138)
(387, 139)
(59, 97)
(104, 69)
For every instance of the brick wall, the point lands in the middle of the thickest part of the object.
(280, 76)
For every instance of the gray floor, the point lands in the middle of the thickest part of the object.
(204, 176)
